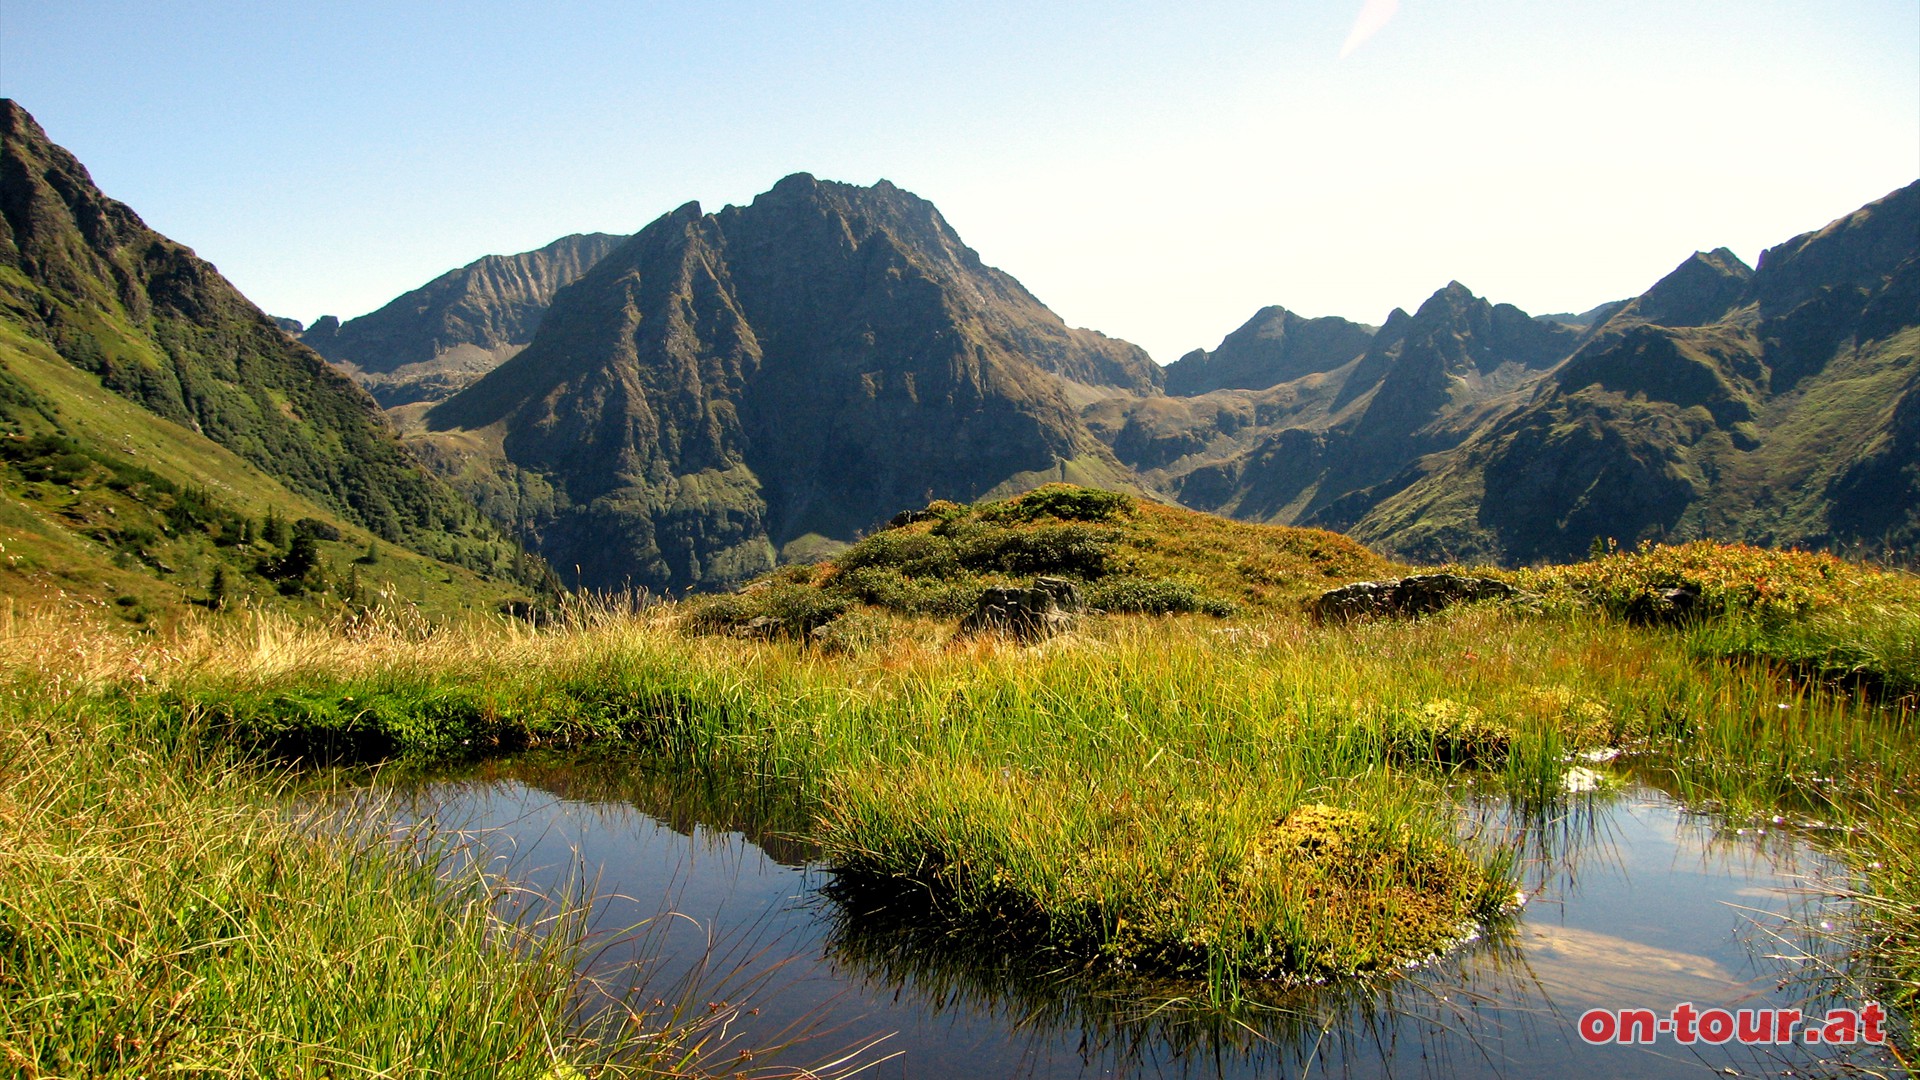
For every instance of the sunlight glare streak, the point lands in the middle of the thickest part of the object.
(1374, 15)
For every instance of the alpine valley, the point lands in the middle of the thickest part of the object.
(690, 406)
(375, 695)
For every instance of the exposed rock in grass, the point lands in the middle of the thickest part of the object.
(1027, 615)
(1406, 597)
(1668, 606)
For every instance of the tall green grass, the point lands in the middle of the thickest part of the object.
(165, 909)
(1129, 796)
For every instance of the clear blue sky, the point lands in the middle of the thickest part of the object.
(1152, 170)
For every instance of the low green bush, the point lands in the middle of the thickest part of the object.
(1148, 597)
(782, 609)
(855, 632)
(1061, 501)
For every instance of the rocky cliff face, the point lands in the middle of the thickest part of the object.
(723, 386)
(83, 274)
(430, 343)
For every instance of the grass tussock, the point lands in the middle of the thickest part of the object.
(160, 916)
(1764, 582)
(1127, 555)
(1089, 783)
(1227, 891)
(1812, 614)
(1891, 902)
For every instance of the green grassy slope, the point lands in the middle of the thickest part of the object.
(149, 412)
(112, 508)
(83, 276)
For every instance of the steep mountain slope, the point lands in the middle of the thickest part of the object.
(432, 342)
(776, 376)
(1776, 405)
(108, 508)
(99, 314)
(687, 406)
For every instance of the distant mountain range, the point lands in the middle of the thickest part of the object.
(1779, 405)
(691, 405)
(1773, 405)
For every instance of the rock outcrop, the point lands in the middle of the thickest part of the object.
(1407, 597)
(1027, 615)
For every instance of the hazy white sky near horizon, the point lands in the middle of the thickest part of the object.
(1154, 171)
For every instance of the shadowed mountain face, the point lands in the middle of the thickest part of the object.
(785, 374)
(725, 385)
(83, 275)
(1699, 291)
(429, 344)
(722, 391)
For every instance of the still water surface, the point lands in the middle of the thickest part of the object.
(1633, 902)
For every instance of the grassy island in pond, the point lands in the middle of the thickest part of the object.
(1231, 794)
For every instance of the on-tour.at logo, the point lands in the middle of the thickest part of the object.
(1687, 1025)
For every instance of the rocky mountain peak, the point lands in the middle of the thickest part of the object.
(1273, 347)
(434, 340)
(723, 385)
(1455, 331)
(1451, 301)
(50, 202)
(1702, 289)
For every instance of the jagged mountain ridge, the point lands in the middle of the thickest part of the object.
(1774, 405)
(768, 384)
(1416, 385)
(1273, 347)
(725, 386)
(725, 390)
(432, 342)
(1769, 405)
